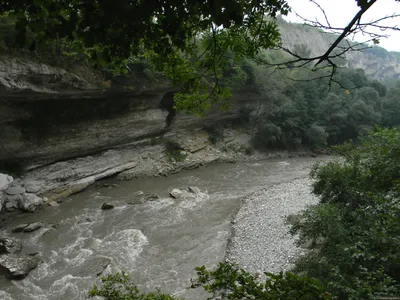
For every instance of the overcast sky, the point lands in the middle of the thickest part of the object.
(340, 13)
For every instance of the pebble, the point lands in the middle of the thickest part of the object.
(261, 241)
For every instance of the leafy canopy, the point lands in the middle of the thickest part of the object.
(192, 42)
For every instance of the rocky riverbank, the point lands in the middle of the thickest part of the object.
(260, 239)
(152, 157)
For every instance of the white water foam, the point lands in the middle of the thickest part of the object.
(123, 247)
(5, 296)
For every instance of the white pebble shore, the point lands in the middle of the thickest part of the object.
(260, 238)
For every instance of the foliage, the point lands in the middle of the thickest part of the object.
(354, 232)
(226, 280)
(192, 43)
(237, 283)
(302, 111)
(174, 151)
(119, 287)
(317, 136)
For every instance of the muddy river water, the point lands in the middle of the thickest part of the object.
(158, 242)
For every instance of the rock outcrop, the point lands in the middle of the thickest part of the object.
(26, 77)
(16, 198)
(17, 266)
(13, 264)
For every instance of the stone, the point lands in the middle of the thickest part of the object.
(17, 266)
(30, 202)
(194, 190)
(5, 181)
(138, 193)
(33, 227)
(176, 193)
(33, 186)
(11, 201)
(106, 206)
(20, 228)
(140, 198)
(54, 204)
(93, 266)
(15, 190)
(10, 245)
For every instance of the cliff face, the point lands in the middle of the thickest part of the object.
(48, 114)
(62, 132)
(377, 62)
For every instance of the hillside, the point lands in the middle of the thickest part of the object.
(377, 62)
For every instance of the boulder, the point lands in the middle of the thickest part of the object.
(93, 266)
(176, 193)
(137, 194)
(194, 190)
(20, 228)
(17, 266)
(5, 181)
(54, 204)
(30, 202)
(33, 186)
(11, 201)
(15, 190)
(33, 227)
(140, 197)
(10, 245)
(107, 206)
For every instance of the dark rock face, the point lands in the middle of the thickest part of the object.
(10, 245)
(106, 206)
(16, 266)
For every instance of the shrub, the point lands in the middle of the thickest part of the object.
(355, 230)
(227, 281)
(119, 287)
(174, 151)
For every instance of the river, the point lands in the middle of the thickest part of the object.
(159, 243)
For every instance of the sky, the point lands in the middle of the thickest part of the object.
(341, 12)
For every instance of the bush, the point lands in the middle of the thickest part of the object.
(354, 232)
(119, 287)
(174, 151)
(227, 281)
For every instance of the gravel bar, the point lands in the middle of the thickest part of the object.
(260, 239)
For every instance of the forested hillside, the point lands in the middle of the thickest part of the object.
(295, 107)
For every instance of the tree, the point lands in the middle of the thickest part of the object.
(354, 231)
(192, 42)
